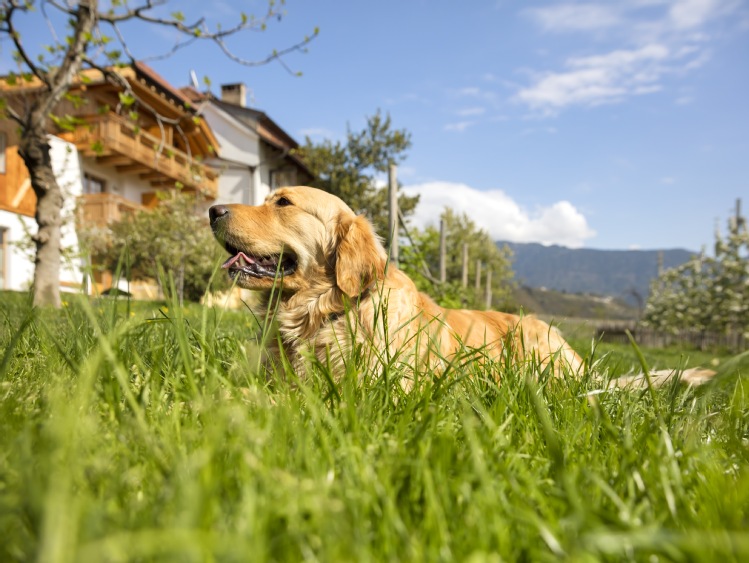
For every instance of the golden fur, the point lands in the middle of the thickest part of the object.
(339, 293)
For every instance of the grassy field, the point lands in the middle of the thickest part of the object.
(143, 432)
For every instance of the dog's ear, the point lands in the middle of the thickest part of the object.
(360, 257)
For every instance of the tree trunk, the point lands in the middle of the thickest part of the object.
(35, 151)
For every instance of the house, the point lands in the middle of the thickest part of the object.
(111, 159)
(116, 156)
(254, 154)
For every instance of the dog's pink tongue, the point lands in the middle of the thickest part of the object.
(241, 257)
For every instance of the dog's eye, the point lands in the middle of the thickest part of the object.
(282, 202)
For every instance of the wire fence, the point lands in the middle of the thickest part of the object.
(734, 341)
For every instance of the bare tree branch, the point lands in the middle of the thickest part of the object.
(177, 46)
(60, 79)
(16, 38)
(198, 30)
(274, 56)
(10, 112)
(50, 26)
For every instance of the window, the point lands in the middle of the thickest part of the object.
(93, 185)
(2, 258)
(3, 143)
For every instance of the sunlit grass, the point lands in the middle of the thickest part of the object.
(145, 432)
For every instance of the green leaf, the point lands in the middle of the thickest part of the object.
(67, 122)
(76, 100)
(126, 99)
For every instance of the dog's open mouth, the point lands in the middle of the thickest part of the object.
(258, 266)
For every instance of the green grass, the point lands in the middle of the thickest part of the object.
(144, 432)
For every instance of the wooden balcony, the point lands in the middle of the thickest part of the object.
(117, 142)
(101, 209)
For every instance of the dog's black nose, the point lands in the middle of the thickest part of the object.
(216, 212)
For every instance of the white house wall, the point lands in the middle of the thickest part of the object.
(129, 186)
(243, 161)
(67, 167)
(20, 259)
(238, 143)
(19, 265)
(262, 188)
(235, 184)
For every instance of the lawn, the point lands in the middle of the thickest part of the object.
(144, 432)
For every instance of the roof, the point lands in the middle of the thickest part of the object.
(174, 103)
(150, 75)
(268, 130)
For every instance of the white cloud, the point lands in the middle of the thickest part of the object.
(460, 126)
(599, 79)
(660, 38)
(471, 91)
(470, 112)
(576, 17)
(502, 217)
(688, 14)
(534, 130)
(595, 17)
(474, 93)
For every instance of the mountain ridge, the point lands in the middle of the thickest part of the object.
(624, 274)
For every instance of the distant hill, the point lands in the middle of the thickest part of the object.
(616, 273)
(558, 304)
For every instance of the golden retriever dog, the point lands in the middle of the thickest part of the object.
(324, 275)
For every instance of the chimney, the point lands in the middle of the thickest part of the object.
(234, 94)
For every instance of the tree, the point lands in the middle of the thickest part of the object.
(95, 37)
(169, 240)
(460, 229)
(349, 170)
(707, 293)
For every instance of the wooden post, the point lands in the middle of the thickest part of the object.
(443, 251)
(488, 289)
(464, 280)
(393, 212)
(478, 277)
(739, 218)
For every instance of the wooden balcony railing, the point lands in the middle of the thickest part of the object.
(107, 135)
(101, 209)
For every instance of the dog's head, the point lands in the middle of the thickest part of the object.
(301, 237)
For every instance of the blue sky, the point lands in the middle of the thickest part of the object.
(617, 124)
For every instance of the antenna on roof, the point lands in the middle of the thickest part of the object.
(194, 80)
